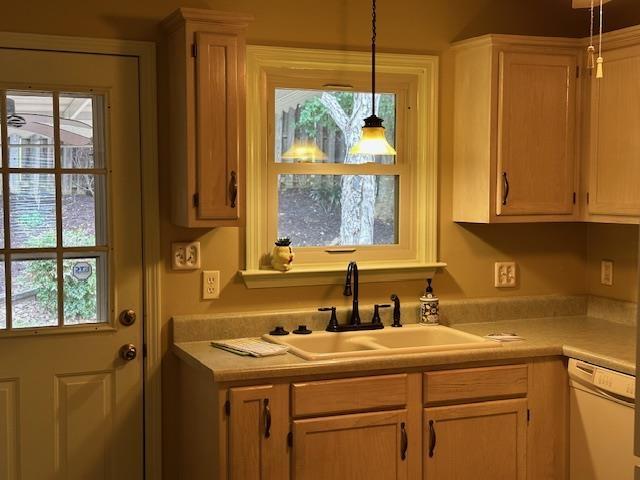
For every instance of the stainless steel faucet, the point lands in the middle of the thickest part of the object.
(352, 272)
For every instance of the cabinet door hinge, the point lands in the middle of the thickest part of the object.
(528, 415)
(587, 198)
(574, 198)
(144, 350)
(194, 50)
(227, 408)
(290, 439)
(577, 70)
(196, 199)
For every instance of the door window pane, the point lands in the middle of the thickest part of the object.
(81, 192)
(81, 278)
(32, 198)
(80, 142)
(30, 129)
(321, 125)
(34, 293)
(334, 210)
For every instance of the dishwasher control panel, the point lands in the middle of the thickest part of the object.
(608, 381)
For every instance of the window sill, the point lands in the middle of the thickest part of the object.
(334, 274)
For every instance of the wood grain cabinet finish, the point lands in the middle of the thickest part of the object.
(486, 440)
(206, 62)
(614, 141)
(515, 117)
(362, 446)
(349, 395)
(258, 428)
(474, 384)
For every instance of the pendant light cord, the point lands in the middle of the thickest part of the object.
(373, 57)
(600, 38)
(591, 29)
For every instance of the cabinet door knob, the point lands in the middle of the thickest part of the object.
(505, 195)
(404, 442)
(267, 418)
(233, 188)
(432, 438)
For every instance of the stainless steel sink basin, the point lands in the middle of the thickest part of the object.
(390, 341)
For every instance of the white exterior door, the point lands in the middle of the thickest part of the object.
(71, 407)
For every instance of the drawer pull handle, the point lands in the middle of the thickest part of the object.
(233, 184)
(267, 419)
(404, 443)
(505, 196)
(432, 438)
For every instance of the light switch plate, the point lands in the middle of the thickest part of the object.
(505, 275)
(185, 256)
(210, 284)
(606, 272)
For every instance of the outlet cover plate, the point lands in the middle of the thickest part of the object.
(185, 256)
(210, 284)
(505, 275)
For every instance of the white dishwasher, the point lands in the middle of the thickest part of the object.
(601, 423)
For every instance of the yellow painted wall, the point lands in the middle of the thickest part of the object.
(620, 244)
(552, 258)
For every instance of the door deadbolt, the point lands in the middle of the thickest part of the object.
(128, 352)
(127, 317)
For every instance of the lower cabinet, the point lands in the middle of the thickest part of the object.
(367, 446)
(498, 422)
(485, 440)
(258, 428)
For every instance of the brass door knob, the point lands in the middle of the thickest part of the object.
(128, 352)
(128, 317)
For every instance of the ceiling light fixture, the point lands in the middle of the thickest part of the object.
(373, 140)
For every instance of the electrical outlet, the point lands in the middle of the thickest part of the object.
(185, 256)
(506, 275)
(210, 284)
(606, 272)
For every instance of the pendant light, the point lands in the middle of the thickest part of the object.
(304, 151)
(373, 140)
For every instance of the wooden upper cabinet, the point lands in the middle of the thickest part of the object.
(206, 80)
(614, 160)
(477, 440)
(366, 446)
(515, 130)
(258, 428)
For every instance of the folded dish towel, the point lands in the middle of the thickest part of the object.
(250, 346)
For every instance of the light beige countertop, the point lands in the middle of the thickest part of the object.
(594, 340)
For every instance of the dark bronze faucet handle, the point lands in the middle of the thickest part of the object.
(332, 326)
(376, 312)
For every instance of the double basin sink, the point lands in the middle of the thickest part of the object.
(410, 338)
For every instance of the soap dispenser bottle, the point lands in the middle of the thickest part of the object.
(429, 307)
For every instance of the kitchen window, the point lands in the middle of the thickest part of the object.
(305, 109)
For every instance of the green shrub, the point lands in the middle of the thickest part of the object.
(80, 296)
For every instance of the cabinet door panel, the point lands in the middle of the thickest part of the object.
(615, 143)
(474, 441)
(219, 111)
(258, 433)
(365, 446)
(536, 134)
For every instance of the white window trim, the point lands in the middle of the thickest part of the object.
(425, 69)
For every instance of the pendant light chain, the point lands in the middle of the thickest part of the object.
(373, 57)
(600, 60)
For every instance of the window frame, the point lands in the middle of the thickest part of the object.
(416, 254)
(101, 252)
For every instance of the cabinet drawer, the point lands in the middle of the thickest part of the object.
(348, 395)
(475, 384)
